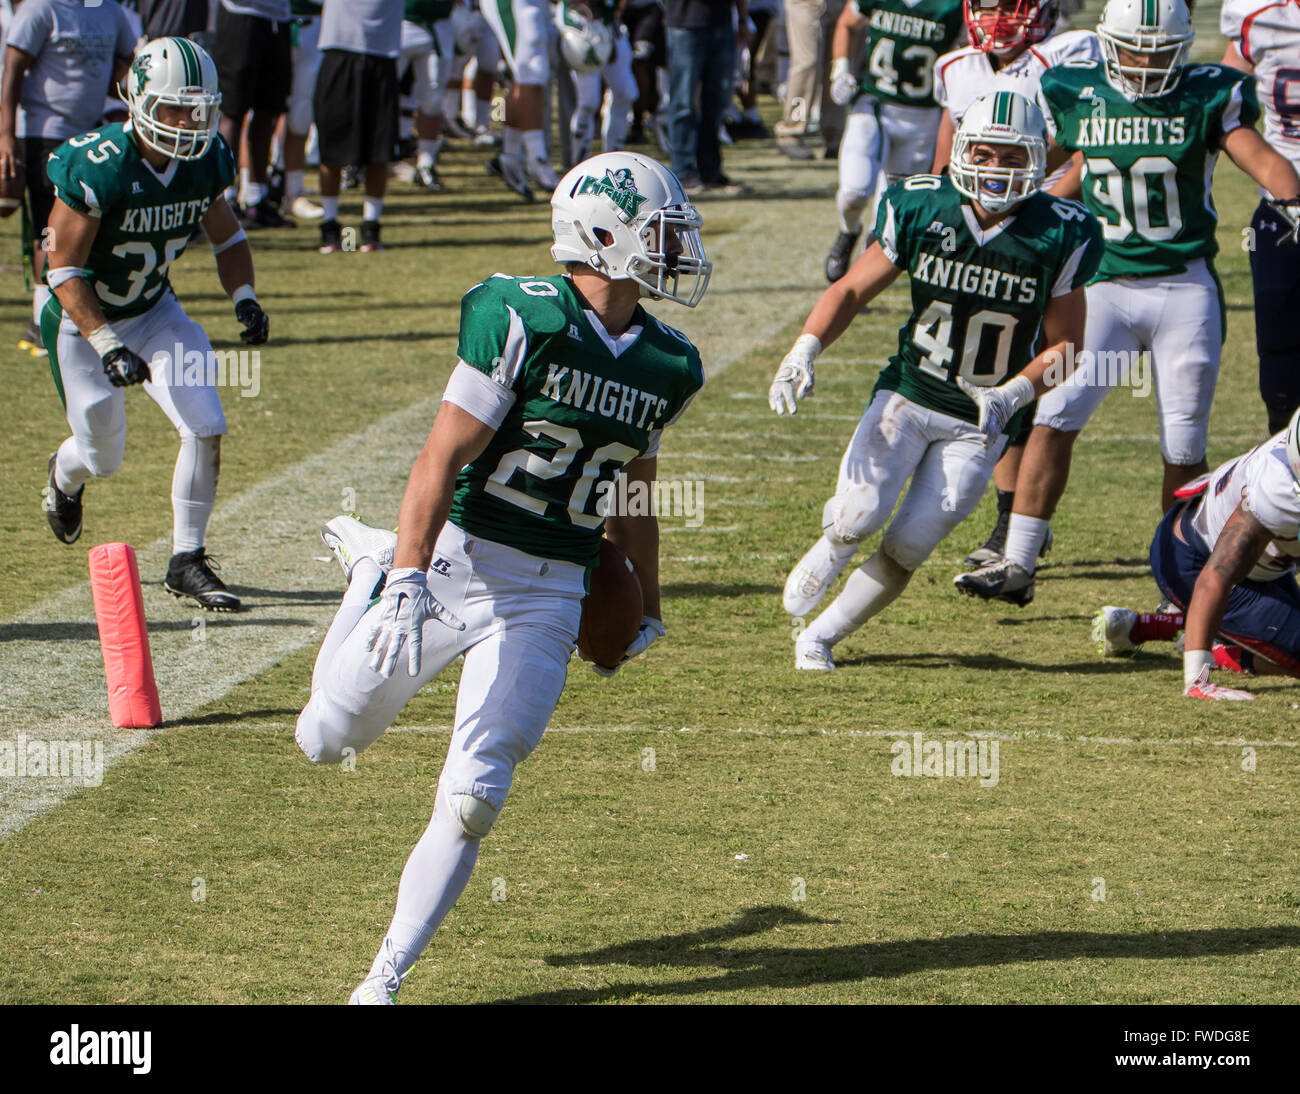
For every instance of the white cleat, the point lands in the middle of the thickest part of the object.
(373, 992)
(1110, 630)
(811, 577)
(542, 175)
(350, 541)
(811, 655)
(305, 209)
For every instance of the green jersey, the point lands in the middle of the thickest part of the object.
(977, 296)
(146, 219)
(1148, 162)
(903, 42)
(581, 412)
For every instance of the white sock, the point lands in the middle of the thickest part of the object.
(40, 297)
(434, 877)
(850, 214)
(1025, 536)
(330, 207)
(232, 193)
(535, 145)
(243, 185)
(372, 208)
(427, 152)
(512, 143)
(292, 184)
(194, 491)
(868, 591)
(254, 192)
(356, 602)
(70, 470)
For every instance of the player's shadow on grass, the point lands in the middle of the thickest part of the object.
(269, 598)
(232, 717)
(757, 968)
(88, 631)
(991, 661)
(685, 589)
(339, 339)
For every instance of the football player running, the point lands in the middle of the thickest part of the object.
(128, 199)
(562, 384)
(997, 268)
(1264, 39)
(1226, 554)
(893, 120)
(1012, 43)
(1149, 128)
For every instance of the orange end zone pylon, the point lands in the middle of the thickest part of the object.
(123, 638)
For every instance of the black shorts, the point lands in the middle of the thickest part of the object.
(40, 191)
(254, 65)
(645, 27)
(355, 107)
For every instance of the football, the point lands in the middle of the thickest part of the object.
(611, 611)
(11, 191)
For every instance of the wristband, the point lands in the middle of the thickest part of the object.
(807, 344)
(244, 292)
(1021, 390)
(238, 237)
(1194, 661)
(61, 274)
(839, 67)
(104, 340)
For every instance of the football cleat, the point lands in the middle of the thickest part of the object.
(373, 992)
(485, 138)
(510, 171)
(426, 178)
(991, 549)
(31, 340)
(541, 174)
(1110, 630)
(331, 237)
(63, 511)
(370, 236)
(811, 577)
(350, 541)
(265, 214)
(1000, 580)
(811, 655)
(306, 209)
(1202, 688)
(190, 574)
(455, 128)
(841, 255)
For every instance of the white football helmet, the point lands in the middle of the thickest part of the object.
(587, 44)
(1003, 118)
(174, 72)
(627, 216)
(1293, 445)
(1159, 30)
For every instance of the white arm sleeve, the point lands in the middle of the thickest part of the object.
(478, 395)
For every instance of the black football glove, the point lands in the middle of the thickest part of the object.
(124, 367)
(1289, 210)
(257, 327)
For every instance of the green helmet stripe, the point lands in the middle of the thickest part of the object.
(1002, 108)
(193, 72)
(1150, 12)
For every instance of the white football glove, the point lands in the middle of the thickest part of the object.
(997, 404)
(794, 379)
(406, 604)
(844, 85)
(651, 630)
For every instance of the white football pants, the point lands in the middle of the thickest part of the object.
(618, 77)
(523, 29)
(881, 137)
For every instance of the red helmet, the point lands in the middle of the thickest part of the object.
(999, 26)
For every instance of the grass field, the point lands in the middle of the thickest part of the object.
(707, 826)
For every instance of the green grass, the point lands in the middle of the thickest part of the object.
(624, 884)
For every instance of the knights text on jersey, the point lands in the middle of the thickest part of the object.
(1267, 34)
(580, 413)
(145, 218)
(978, 297)
(967, 74)
(1148, 162)
(903, 42)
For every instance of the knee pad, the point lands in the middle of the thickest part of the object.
(853, 199)
(102, 455)
(474, 815)
(853, 515)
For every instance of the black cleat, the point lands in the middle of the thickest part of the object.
(265, 214)
(510, 171)
(370, 236)
(63, 511)
(331, 237)
(838, 261)
(190, 574)
(992, 548)
(1000, 580)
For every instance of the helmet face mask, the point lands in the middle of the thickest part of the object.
(177, 74)
(1007, 120)
(627, 217)
(1008, 26)
(1144, 44)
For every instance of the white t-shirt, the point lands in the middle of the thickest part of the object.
(1263, 482)
(363, 26)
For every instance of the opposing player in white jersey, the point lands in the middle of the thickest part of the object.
(1012, 43)
(893, 119)
(1225, 555)
(1264, 39)
(1149, 127)
(563, 384)
(997, 269)
(524, 31)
